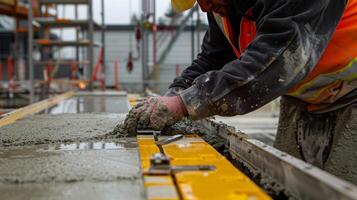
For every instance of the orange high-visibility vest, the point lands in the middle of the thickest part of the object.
(336, 73)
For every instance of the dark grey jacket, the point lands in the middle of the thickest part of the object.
(291, 37)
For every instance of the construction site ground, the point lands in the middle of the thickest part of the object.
(67, 152)
(66, 155)
(65, 148)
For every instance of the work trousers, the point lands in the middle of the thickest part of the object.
(328, 140)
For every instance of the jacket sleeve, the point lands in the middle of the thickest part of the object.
(291, 37)
(215, 53)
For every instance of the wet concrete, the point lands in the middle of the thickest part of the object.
(41, 163)
(80, 190)
(267, 183)
(44, 129)
(68, 156)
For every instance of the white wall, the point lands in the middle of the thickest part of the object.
(117, 47)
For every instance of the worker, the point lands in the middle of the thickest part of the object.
(257, 50)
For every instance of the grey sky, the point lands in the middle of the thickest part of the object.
(116, 11)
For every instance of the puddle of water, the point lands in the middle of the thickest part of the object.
(34, 151)
(90, 146)
(91, 104)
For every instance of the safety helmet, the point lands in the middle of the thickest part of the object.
(182, 5)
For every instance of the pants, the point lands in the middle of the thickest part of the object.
(328, 140)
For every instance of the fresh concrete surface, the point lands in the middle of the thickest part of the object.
(68, 156)
(44, 129)
(36, 164)
(109, 190)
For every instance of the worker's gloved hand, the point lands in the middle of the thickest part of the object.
(155, 113)
(174, 91)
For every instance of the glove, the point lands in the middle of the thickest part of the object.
(155, 113)
(174, 91)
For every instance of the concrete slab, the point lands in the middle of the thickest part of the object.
(68, 156)
(55, 172)
(124, 189)
(41, 163)
(44, 129)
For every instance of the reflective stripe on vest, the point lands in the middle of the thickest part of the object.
(336, 73)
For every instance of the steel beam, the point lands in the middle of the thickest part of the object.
(30, 52)
(103, 28)
(91, 45)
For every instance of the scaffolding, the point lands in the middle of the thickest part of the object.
(42, 17)
(18, 10)
(84, 37)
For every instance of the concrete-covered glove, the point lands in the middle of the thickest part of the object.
(155, 113)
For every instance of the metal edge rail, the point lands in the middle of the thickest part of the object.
(301, 179)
